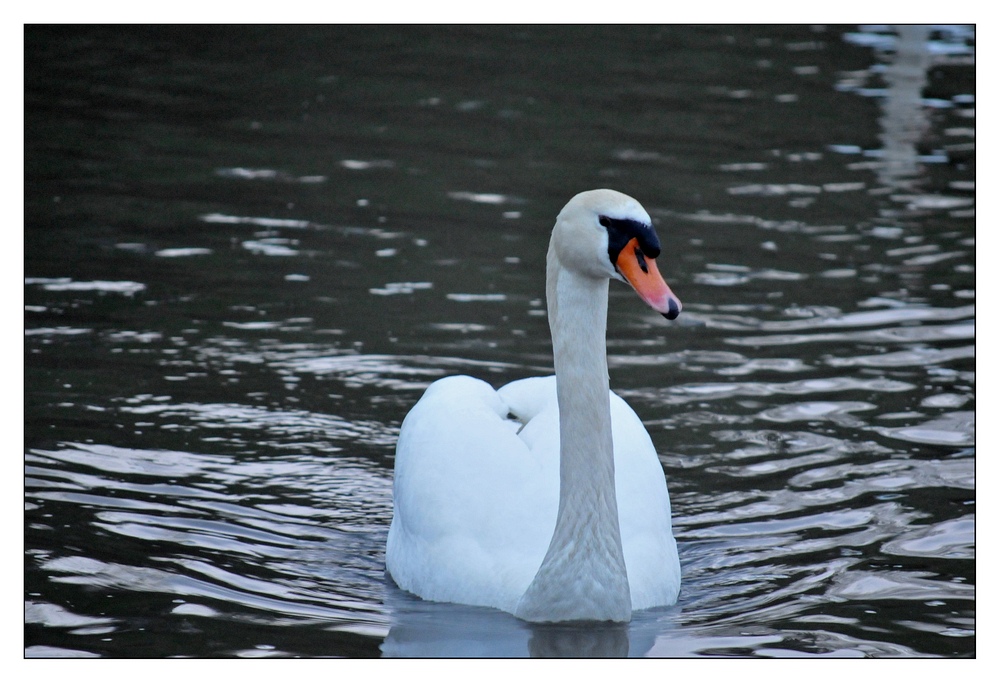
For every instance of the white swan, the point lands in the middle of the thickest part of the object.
(545, 499)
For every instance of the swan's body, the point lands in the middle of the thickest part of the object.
(546, 498)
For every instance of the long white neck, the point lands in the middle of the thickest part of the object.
(583, 575)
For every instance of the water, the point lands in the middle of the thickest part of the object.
(248, 250)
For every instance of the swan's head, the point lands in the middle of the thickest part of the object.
(603, 233)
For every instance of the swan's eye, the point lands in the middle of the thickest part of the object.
(605, 221)
(641, 260)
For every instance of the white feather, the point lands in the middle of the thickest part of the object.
(477, 495)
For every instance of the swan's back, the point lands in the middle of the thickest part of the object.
(476, 495)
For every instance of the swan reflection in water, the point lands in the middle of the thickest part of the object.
(428, 629)
(418, 628)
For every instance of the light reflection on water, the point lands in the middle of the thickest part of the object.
(216, 369)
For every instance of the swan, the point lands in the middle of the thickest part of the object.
(545, 498)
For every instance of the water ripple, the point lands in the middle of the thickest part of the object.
(723, 390)
(951, 429)
(284, 557)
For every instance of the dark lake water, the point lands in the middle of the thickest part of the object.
(248, 250)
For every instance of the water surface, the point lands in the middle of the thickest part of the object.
(248, 251)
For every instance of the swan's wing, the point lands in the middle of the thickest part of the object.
(471, 505)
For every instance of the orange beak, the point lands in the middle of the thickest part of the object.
(642, 273)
